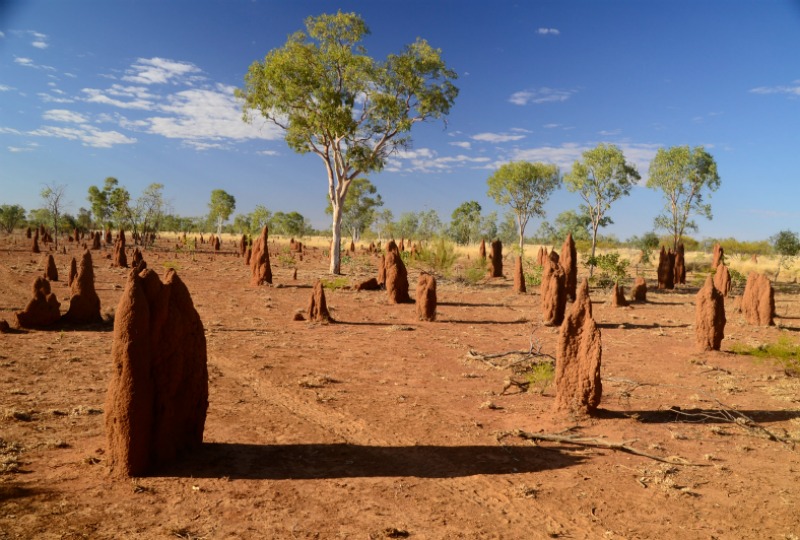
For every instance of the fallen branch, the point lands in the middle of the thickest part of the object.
(593, 442)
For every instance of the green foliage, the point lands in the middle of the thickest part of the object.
(476, 271)
(738, 280)
(336, 283)
(601, 177)
(784, 353)
(540, 376)
(612, 268)
(11, 215)
(359, 208)
(465, 223)
(220, 207)
(349, 109)
(685, 176)
(289, 224)
(524, 187)
(534, 277)
(647, 243)
(787, 245)
(438, 256)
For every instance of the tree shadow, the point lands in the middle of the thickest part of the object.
(325, 461)
(678, 415)
(468, 304)
(652, 326)
(461, 321)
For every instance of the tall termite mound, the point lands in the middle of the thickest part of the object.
(709, 317)
(679, 269)
(496, 259)
(578, 357)
(259, 260)
(519, 277)
(158, 395)
(426, 297)
(396, 278)
(84, 304)
(666, 269)
(718, 257)
(569, 261)
(758, 300)
(639, 290)
(553, 291)
(50, 270)
(482, 250)
(722, 280)
(120, 258)
(318, 306)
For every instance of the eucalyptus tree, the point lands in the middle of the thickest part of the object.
(220, 207)
(359, 207)
(352, 111)
(685, 176)
(601, 177)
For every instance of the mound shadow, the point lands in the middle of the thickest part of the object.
(326, 461)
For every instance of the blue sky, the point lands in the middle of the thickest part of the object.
(143, 91)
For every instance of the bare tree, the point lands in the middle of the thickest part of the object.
(53, 195)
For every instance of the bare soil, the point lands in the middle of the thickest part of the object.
(382, 426)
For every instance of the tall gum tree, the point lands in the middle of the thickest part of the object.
(335, 101)
(684, 176)
(524, 187)
(600, 178)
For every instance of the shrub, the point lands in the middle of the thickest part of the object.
(335, 283)
(439, 256)
(534, 277)
(611, 269)
(540, 376)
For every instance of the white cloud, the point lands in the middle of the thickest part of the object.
(496, 137)
(47, 98)
(425, 160)
(640, 154)
(10, 131)
(792, 90)
(134, 97)
(63, 115)
(540, 95)
(609, 132)
(17, 149)
(551, 126)
(201, 146)
(40, 44)
(86, 134)
(548, 31)
(466, 145)
(268, 153)
(160, 71)
(521, 130)
(27, 62)
(5, 88)
(2, 35)
(208, 114)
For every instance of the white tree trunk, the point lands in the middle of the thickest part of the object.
(335, 267)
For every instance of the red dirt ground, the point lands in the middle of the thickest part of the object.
(381, 426)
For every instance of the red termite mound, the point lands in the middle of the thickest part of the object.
(541, 256)
(259, 260)
(569, 260)
(496, 259)
(709, 318)
(84, 304)
(73, 271)
(382, 271)
(158, 395)
(247, 256)
(28, 232)
(639, 291)
(758, 300)
(396, 279)
(578, 357)
(96, 240)
(50, 270)
(679, 269)
(137, 260)
(719, 256)
(108, 238)
(217, 244)
(426, 297)
(35, 243)
(482, 249)
(42, 310)
(519, 277)
(120, 257)
(722, 280)
(666, 269)
(243, 245)
(553, 291)
(618, 296)
(317, 306)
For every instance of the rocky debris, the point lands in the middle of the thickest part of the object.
(639, 291)
(758, 300)
(158, 396)
(679, 269)
(50, 270)
(84, 304)
(709, 317)
(42, 310)
(496, 259)
(722, 280)
(553, 291)
(578, 358)
(317, 307)
(519, 277)
(259, 260)
(426, 297)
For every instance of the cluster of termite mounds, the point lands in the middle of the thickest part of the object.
(157, 398)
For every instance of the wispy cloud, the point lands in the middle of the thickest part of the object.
(609, 132)
(124, 97)
(47, 98)
(39, 40)
(496, 137)
(268, 153)
(640, 154)
(548, 31)
(540, 95)
(28, 62)
(63, 115)
(161, 71)
(5, 88)
(466, 145)
(426, 160)
(792, 89)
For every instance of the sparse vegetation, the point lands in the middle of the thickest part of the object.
(612, 268)
(783, 352)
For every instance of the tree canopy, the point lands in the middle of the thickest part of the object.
(220, 207)
(335, 101)
(525, 188)
(465, 222)
(359, 207)
(601, 177)
(684, 175)
(11, 215)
